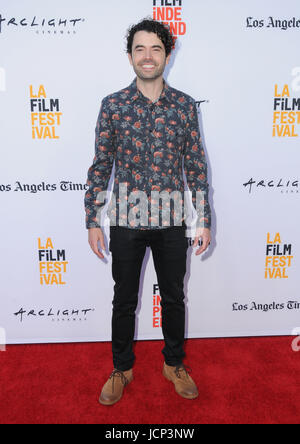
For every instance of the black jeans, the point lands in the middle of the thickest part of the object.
(169, 250)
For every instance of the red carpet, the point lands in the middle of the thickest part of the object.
(241, 381)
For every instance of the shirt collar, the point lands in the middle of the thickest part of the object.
(135, 93)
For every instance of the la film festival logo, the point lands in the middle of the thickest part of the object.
(156, 316)
(169, 13)
(286, 108)
(52, 264)
(278, 258)
(45, 114)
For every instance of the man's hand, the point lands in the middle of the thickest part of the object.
(205, 235)
(95, 235)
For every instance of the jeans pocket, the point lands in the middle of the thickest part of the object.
(126, 244)
(112, 233)
(175, 243)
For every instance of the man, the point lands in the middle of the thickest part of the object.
(148, 128)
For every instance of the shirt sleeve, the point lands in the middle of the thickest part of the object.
(100, 171)
(195, 169)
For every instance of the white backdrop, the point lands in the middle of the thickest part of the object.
(234, 58)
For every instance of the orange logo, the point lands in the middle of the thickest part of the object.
(278, 258)
(45, 115)
(157, 320)
(169, 13)
(286, 113)
(52, 264)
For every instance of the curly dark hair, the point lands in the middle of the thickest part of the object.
(150, 25)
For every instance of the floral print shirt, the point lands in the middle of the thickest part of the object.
(151, 143)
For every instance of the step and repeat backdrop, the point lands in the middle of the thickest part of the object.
(240, 62)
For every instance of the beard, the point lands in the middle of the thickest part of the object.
(149, 76)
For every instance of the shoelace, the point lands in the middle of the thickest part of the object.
(118, 373)
(182, 368)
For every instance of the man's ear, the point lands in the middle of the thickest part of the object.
(168, 59)
(130, 59)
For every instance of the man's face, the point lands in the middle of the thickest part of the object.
(148, 56)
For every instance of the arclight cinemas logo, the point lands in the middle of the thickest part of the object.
(54, 314)
(281, 185)
(41, 25)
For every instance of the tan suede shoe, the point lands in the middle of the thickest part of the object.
(184, 385)
(112, 390)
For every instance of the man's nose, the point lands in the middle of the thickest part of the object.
(148, 55)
